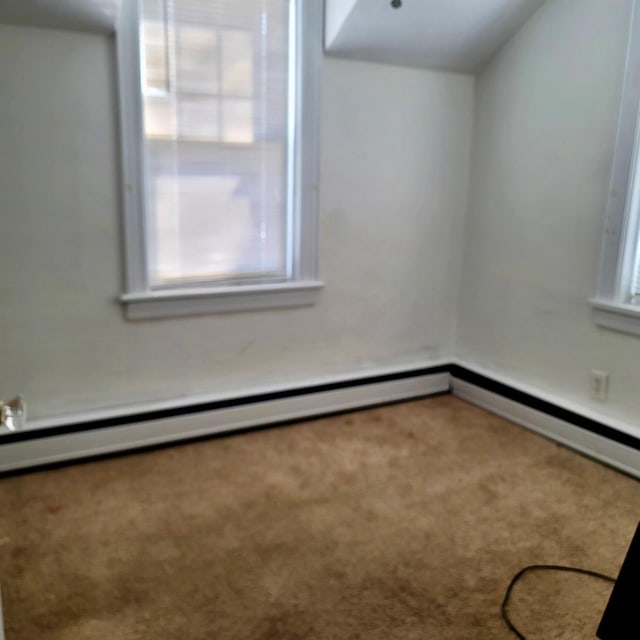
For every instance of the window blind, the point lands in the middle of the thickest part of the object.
(215, 83)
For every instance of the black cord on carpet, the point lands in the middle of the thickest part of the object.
(542, 567)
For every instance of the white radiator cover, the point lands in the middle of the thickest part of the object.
(593, 445)
(146, 433)
(355, 391)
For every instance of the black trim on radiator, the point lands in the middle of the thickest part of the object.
(456, 371)
(553, 410)
(133, 418)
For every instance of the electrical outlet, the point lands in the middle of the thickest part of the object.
(599, 384)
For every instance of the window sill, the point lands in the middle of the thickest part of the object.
(197, 301)
(617, 316)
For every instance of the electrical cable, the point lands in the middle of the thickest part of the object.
(542, 567)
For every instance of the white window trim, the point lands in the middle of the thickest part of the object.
(611, 306)
(139, 300)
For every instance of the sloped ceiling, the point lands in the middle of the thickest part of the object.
(81, 15)
(448, 35)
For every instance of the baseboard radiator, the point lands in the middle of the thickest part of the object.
(94, 436)
(594, 437)
(90, 436)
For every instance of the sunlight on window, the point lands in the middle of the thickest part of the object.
(237, 116)
(198, 81)
(153, 35)
(187, 205)
(215, 86)
(198, 117)
(159, 118)
(237, 67)
(197, 60)
(155, 77)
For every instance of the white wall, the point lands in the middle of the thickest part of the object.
(394, 173)
(335, 13)
(394, 168)
(546, 111)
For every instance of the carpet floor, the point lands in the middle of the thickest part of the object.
(404, 522)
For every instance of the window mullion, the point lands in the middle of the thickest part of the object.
(131, 123)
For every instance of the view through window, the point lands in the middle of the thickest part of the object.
(215, 81)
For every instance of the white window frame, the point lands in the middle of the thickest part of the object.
(302, 288)
(612, 307)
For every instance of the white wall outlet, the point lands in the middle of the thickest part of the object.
(599, 384)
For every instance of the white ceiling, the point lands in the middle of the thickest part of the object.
(449, 35)
(82, 15)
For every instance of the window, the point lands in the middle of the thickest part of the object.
(219, 117)
(617, 303)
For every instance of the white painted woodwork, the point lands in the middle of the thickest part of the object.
(47, 450)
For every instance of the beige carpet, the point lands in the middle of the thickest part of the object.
(405, 522)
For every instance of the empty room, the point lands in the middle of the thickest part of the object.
(319, 319)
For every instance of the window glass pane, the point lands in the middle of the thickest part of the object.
(155, 76)
(186, 206)
(234, 206)
(159, 121)
(197, 59)
(237, 63)
(237, 116)
(154, 36)
(216, 139)
(199, 118)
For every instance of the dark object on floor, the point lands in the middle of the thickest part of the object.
(541, 567)
(621, 620)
